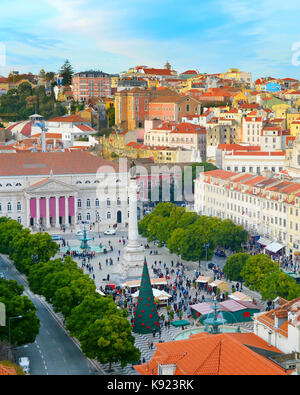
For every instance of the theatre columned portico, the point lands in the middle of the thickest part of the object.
(51, 204)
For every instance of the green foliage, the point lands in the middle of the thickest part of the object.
(26, 100)
(234, 266)
(109, 340)
(93, 307)
(66, 72)
(231, 235)
(256, 269)
(23, 330)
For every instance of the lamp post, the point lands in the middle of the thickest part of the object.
(9, 332)
(206, 245)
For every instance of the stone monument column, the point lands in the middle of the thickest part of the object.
(132, 263)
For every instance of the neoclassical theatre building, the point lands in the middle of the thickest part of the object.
(45, 191)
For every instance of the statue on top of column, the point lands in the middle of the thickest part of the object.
(132, 169)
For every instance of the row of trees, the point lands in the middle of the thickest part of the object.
(101, 327)
(189, 235)
(261, 274)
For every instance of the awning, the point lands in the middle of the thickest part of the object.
(274, 247)
(264, 241)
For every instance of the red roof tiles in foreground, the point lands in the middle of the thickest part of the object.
(204, 354)
(224, 174)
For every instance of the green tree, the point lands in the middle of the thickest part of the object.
(110, 340)
(255, 270)
(234, 266)
(93, 307)
(231, 235)
(25, 329)
(277, 283)
(68, 297)
(66, 72)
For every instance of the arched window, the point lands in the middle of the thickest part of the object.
(19, 220)
(18, 185)
(79, 217)
(8, 185)
(108, 202)
(9, 206)
(97, 202)
(88, 203)
(79, 203)
(108, 215)
(78, 182)
(88, 216)
(19, 206)
(97, 182)
(87, 182)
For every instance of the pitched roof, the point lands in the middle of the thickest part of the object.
(69, 119)
(36, 163)
(205, 354)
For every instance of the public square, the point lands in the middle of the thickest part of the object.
(181, 274)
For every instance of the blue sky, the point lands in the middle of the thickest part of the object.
(113, 35)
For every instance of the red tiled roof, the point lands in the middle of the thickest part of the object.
(157, 71)
(69, 119)
(204, 354)
(36, 163)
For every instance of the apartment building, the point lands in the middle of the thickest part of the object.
(91, 84)
(265, 206)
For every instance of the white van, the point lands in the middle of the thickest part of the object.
(24, 363)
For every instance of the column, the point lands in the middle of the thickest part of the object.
(75, 210)
(27, 211)
(57, 212)
(47, 213)
(38, 214)
(66, 210)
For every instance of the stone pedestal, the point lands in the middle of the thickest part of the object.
(131, 264)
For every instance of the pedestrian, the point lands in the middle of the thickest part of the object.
(149, 344)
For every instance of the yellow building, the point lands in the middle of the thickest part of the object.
(114, 82)
(291, 117)
(295, 128)
(240, 97)
(153, 83)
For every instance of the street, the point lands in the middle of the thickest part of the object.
(53, 352)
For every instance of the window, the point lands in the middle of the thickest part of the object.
(97, 202)
(79, 203)
(19, 220)
(8, 185)
(88, 216)
(19, 207)
(18, 185)
(0, 207)
(79, 217)
(87, 182)
(108, 215)
(9, 206)
(108, 202)
(88, 203)
(78, 182)
(118, 202)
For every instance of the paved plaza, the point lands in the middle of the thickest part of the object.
(165, 258)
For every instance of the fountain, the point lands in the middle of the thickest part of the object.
(212, 325)
(85, 246)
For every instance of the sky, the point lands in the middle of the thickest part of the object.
(258, 36)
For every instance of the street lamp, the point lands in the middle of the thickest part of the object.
(206, 245)
(9, 319)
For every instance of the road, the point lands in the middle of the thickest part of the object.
(53, 352)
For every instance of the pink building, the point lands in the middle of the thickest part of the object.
(91, 84)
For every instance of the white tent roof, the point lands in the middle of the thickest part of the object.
(156, 293)
(264, 241)
(274, 247)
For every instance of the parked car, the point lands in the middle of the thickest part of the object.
(56, 237)
(211, 265)
(25, 364)
(220, 253)
(110, 232)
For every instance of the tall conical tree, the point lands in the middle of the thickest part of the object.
(146, 317)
